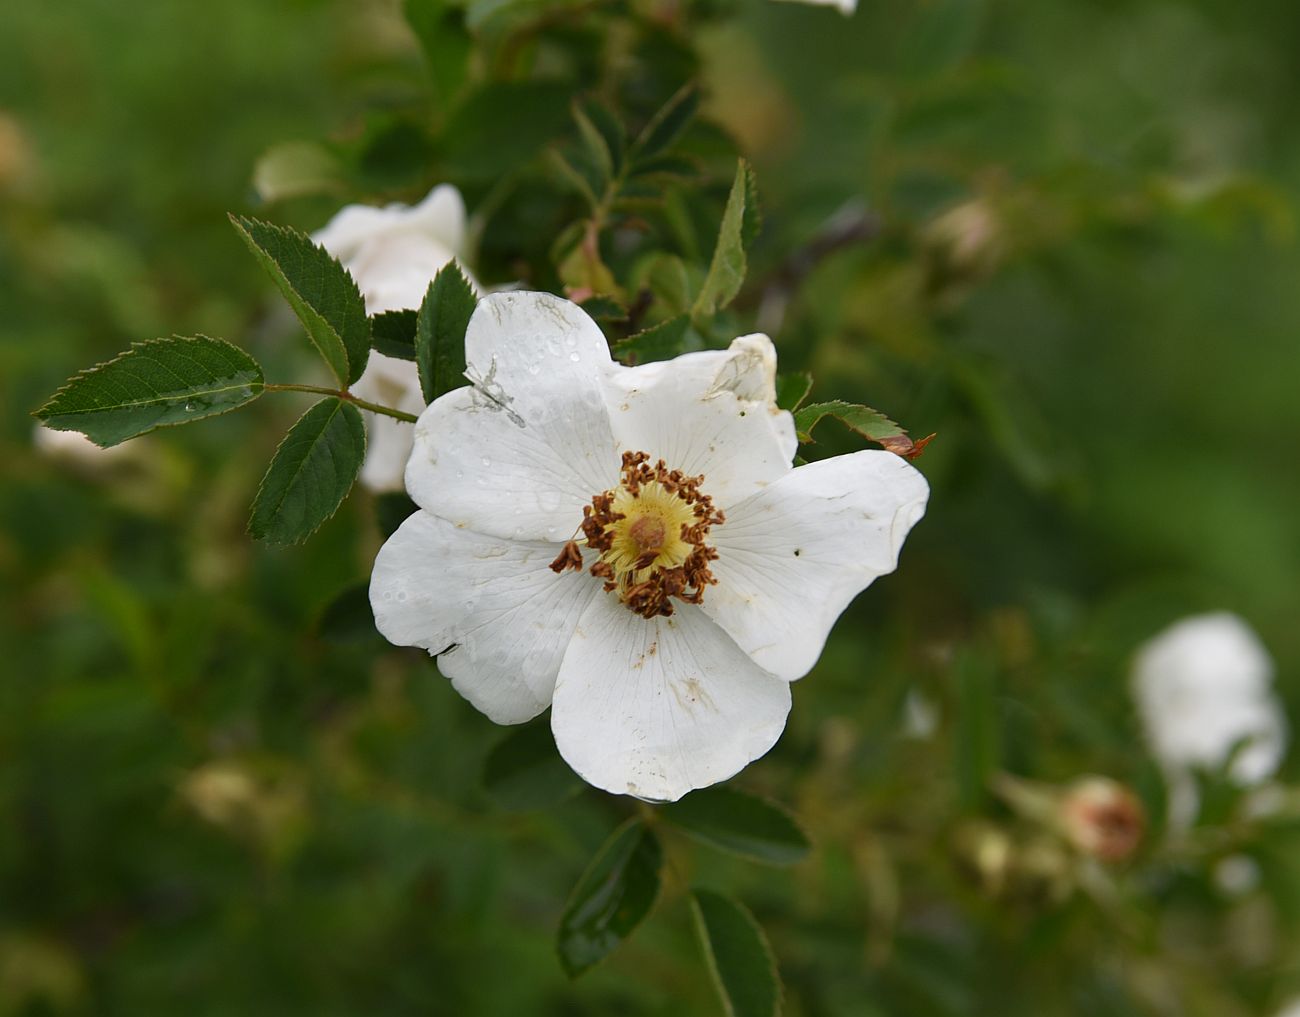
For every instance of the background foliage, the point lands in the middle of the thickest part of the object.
(218, 800)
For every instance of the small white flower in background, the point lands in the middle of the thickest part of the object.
(1292, 1009)
(1204, 688)
(393, 253)
(75, 448)
(629, 546)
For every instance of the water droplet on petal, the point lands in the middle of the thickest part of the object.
(534, 368)
(574, 356)
(402, 596)
(487, 461)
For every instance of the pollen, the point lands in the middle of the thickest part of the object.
(649, 533)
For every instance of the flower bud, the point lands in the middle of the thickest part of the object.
(1102, 818)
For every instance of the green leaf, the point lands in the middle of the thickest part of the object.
(523, 771)
(440, 331)
(611, 899)
(752, 221)
(321, 292)
(393, 333)
(667, 125)
(661, 342)
(792, 389)
(440, 27)
(728, 267)
(312, 472)
(740, 823)
(865, 421)
(738, 956)
(158, 383)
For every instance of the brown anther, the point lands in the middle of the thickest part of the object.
(569, 558)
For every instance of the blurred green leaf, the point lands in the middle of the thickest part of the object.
(596, 145)
(977, 753)
(660, 342)
(321, 292)
(525, 772)
(740, 823)
(728, 266)
(792, 389)
(293, 169)
(600, 119)
(667, 125)
(611, 899)
(440, 331)
(738, 955)
(348, 618)
(158, 383)
(312, 472)
(502, 125)
(392, 333)
(446, 42)
(605, 309)
(392, 508)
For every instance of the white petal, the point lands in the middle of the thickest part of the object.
(792, 557)
(657, 707)
(389, 382)
(394, 271)
(491, 610)
(712, 413)
(521, 451)
(439, 217)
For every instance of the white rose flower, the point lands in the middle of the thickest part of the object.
(1203, 687)
(393, 253)
(629, 546)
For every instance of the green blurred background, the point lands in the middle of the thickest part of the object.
(213, 804)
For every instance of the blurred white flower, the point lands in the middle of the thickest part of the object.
(393, 253)
(629, 546)
(1291, 1009)
(1204, 689)
(74, 448)
(845, 6)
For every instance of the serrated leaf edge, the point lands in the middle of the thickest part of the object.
(352, 374)
(44, 413)
(261, 484)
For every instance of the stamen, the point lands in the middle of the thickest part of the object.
(649, 532)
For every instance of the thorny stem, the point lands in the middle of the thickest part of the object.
(346, 396)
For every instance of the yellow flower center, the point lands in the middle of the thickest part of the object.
(649, 532)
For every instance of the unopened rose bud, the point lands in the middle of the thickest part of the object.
(1102, 818)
